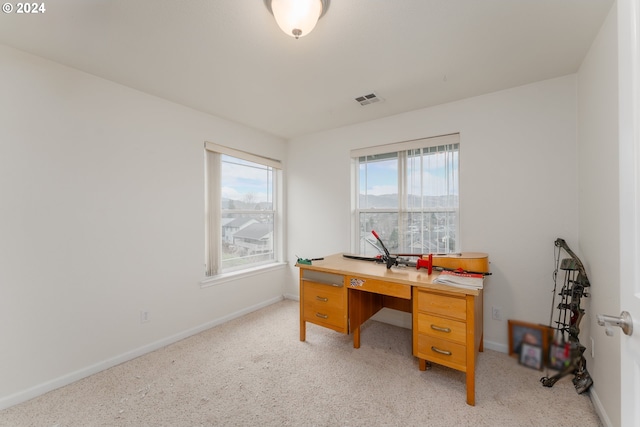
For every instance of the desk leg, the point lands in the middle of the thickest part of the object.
(362, 305)
(471, 388)
(423, 365)
(356, 337)
(474, 344)
(303, 323)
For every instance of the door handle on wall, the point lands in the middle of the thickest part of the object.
(625, 322)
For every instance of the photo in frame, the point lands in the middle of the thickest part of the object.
(532, 334)
(559, 356)
(531, 356)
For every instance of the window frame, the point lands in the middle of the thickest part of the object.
(213, 215)
(402, 209)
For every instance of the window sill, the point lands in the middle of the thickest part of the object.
(236, 275)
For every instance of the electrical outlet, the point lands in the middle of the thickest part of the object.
(144, 316)
(495, 313)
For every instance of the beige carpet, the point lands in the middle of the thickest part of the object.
(255, 371)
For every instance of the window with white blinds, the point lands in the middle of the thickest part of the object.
(242, 210)
(408, 193)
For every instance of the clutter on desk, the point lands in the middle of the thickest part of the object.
(307, 261)
(470, 262)
(394, 260)
(461, 279)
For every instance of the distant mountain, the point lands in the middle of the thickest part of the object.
(385, 201)
(239, 204)
(388, 201)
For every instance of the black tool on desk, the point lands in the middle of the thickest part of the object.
(390, 260)
(394, 260)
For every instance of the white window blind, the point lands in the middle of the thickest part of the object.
(408, 192)
(242, 210)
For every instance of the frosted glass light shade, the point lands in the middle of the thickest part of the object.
(296, 17)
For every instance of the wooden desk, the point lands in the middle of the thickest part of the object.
(342, 294)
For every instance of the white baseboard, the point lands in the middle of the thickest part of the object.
(496, 346)
(393, 317)
(40, 389)
(293, 297)
(599, 408)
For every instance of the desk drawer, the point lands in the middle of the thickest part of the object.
(443, 352)
(443, 305)
(380, 287)
(325, 305)
(323, 294)
(440, 327)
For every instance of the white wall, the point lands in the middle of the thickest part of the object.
(518, 183)
(102, 216)
(599, 212)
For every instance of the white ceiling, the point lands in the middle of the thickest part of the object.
(229, 58)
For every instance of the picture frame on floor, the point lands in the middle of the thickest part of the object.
(532, 334)
(531, 356)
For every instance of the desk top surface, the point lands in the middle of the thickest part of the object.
(337, 264)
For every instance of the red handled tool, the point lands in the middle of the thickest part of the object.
(425, 263)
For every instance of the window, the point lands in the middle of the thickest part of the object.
(242, 217)
(408, 193)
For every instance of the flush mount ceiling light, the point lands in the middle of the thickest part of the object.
(297, 17)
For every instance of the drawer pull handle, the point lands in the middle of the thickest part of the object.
(322, 316)
(440, 329)
(437, 350)
(322, 299)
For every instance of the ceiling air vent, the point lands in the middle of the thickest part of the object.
(368, 99)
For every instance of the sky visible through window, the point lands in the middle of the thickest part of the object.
(244, 180)
(382, 176)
